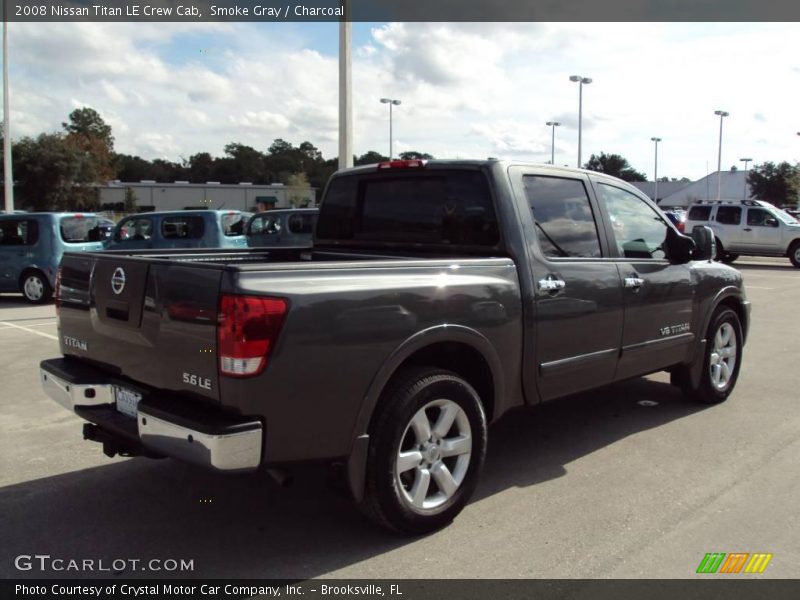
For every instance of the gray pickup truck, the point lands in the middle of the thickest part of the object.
(436, 297)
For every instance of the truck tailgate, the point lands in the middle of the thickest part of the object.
(151, 321)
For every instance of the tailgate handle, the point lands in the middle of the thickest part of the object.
(118, 310)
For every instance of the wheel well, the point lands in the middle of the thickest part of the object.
(28, 270)
(735, 306)
(463, 360)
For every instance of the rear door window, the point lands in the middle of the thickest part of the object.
(699, 213)
(265, 224)
(565, 224)
(77, 230)
(300, 223)
(179, 228)
(729, 215)
(135, 229)
(18, 232)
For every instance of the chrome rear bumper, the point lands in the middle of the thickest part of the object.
(216, 442)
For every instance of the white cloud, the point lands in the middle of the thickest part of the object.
(469, 90)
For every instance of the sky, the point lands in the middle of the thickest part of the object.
(468, 90)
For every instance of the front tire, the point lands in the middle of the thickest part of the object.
(729, 257)
(35, 287)
(721, 360)
(427, 448)
(794, 253)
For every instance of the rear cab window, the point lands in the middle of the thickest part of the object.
(79, 229)
(436, 209)
(18, 232)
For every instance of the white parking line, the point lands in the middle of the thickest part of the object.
(11, 325)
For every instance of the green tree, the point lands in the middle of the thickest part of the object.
(129, 203)
(87, 122)
(298, 186)
(201, 167)
(778, 184)
(614, 165)
(248, 163)
(370, 158)
(413, 154)
(53, 173)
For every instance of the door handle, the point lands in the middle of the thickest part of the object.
(634, 282)
(551, 284)
(747, 229)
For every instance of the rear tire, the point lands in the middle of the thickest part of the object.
(794, 253)
(35, 287)
(721, 360)
(720, 255)
(427, 448)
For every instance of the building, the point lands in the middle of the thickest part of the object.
(682, 194)
(182, 195)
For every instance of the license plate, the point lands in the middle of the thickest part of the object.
(127, 401)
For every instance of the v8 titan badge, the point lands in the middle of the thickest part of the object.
(118, 281)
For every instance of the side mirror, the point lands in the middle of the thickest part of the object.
(679, 247)
(705, 243)
(771, 222)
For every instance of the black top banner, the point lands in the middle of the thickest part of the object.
(401, 10)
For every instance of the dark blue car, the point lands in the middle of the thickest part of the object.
(31, 245)
(282, 227)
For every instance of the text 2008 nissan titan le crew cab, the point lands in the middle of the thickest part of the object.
(436, 296)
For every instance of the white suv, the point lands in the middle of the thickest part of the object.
(748, 227)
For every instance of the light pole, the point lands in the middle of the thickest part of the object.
(722, 114)
(553, 125)
(345, 90)
(655, 169)
(745, 161)
(7, 165)
(391, 103)
(580, 80)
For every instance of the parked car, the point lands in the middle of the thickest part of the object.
(677, 217)
(31, 246)
(749, 227)
(106, 228)
(436, 297)
(180, 229)
(282, 227)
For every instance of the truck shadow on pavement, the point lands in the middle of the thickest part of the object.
(247, 527)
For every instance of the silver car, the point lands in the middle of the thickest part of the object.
(748, 227)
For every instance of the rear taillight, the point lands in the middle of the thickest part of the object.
(57, 291)
(247, 330)
(681, 226)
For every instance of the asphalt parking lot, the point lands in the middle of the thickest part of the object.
(598, 485)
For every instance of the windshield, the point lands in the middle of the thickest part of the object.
(80, 229)
(785, 217)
